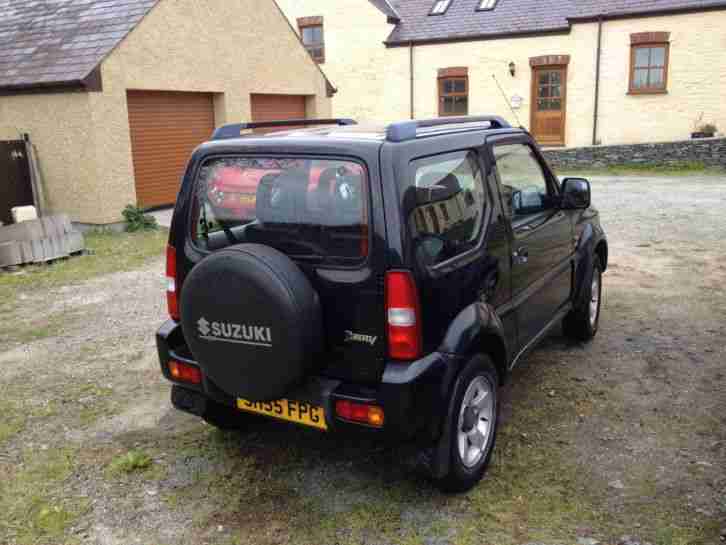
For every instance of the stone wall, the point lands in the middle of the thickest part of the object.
(709, 151)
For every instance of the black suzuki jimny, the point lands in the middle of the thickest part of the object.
(383, 279)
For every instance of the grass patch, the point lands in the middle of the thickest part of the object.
(689, 168)
(35, 329)
(12, 421)
(109, 253)
(93, 401)
(304, 488)
(131, 462)
(32, 507)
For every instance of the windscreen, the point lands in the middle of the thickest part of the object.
(311, 209)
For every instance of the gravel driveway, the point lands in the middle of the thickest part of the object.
(626, 435)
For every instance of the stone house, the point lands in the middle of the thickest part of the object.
(574, 73)
(115, 94)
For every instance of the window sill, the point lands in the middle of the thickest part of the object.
(648, 92)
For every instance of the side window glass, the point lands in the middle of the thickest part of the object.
(523, 183)
(450, 203)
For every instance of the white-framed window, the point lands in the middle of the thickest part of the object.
(487, 5)
(440, 7)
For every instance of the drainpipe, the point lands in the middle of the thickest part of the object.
(597, 80)
(410, 72)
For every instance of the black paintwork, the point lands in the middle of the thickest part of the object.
(485, 300)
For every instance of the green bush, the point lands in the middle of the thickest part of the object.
(708, 128)
(136, 220)
(133, 460)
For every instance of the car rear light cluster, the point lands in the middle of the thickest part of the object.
(362, 413)
(404, 316)
(184, 372)
(172, 297)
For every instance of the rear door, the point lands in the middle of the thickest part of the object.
(541, 235)
(324, 213)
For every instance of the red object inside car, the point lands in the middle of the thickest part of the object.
(235, 190)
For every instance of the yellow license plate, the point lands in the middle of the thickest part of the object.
(291, 410)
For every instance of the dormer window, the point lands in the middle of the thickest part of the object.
(440, 7)
(487, 5)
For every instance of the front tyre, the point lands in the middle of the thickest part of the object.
(582, 321)
(473, 425)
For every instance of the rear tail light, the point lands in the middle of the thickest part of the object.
(172, 298)
(183, 372)
(404, 316)
(363, 413)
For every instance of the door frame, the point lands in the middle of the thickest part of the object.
(16, 188)
(549, 61)
(517, 234)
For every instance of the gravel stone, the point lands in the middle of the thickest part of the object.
(663, 292)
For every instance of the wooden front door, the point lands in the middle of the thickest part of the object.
(549, 97)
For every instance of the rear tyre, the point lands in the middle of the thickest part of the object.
(583, 321)
(224, 417)
(474, 419)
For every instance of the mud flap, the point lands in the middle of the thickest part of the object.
(188, 401)
(438, 457)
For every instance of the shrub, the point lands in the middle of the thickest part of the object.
(136, 220)
(708, 128)
(130, 462)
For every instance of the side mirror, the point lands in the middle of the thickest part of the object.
(575, 193)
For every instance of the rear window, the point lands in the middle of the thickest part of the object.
(311, 209)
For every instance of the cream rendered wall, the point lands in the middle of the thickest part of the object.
(354, 31)
(485, 59)
(58, 125)
(373, 80)
(216, 46)
(696, 79)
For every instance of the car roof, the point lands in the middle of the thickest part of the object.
(366, 134)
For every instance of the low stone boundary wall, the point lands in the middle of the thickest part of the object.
(708, 151)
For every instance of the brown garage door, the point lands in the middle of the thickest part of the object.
(165, 128)
(277, 108)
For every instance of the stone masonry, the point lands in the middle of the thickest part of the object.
(708, 151)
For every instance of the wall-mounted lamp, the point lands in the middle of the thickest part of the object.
(512, 68)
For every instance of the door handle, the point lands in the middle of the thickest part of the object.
(521, 256)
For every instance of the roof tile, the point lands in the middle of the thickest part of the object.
(463, 21)
(61, 41)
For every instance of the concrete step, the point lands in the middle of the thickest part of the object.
(10, 254)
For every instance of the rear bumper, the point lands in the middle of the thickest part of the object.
(413, 396)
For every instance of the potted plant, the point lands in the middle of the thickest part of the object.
(703, 130)
(708, 130)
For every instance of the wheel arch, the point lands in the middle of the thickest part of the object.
(476, 330)
(592, 242)
(602, 252)
(492, 344)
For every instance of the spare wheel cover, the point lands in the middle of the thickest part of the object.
(252, 320)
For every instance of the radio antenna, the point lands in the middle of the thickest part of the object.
(504, 95)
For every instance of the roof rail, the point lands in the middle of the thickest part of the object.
(235, 129)
(408, 130)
